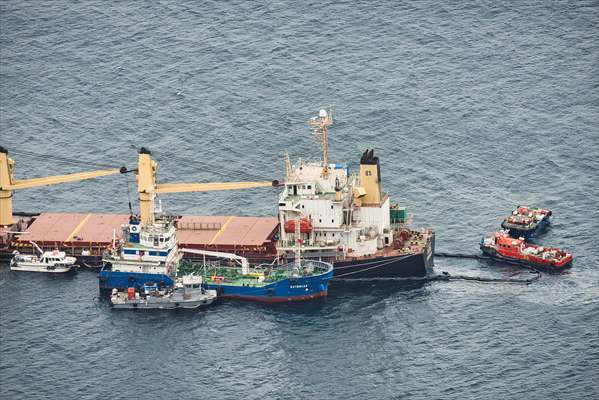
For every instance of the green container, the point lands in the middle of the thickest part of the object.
(398, 215)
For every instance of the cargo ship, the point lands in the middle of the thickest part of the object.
(501, 246)
(527, 222)
(347, 219)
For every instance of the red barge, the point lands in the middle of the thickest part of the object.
(502, 246)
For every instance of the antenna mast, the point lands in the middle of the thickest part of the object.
(320, 129)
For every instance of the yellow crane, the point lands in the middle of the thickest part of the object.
(8, 184)
(148, 188)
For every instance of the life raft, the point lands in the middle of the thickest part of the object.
(305, 226)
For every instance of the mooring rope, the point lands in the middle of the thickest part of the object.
(445, 276)
(462, 255)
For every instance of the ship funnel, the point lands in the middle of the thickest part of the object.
(370, 177)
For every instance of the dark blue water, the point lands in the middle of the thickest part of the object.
(472, 107)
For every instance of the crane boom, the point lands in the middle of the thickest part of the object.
(148, 188)
(245, 265)
(53, 180)
(8, 184)
(207, 187)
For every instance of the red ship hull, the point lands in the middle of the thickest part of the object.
(516, 251)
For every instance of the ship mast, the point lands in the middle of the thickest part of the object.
(320, 129)
(298, 240)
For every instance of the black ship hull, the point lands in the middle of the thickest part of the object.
(413, 266)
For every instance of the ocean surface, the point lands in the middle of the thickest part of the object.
(473, 108)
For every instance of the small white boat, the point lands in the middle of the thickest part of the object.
(187, 293)
(53, 262)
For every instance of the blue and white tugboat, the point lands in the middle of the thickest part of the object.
(147, 255)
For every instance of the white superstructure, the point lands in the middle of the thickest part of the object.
(340, 214)
(146, 248)
(54, 262)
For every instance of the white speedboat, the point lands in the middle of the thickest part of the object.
(53, 262)
(187, 293)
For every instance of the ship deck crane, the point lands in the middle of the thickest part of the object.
(8, 184)
(148, 188)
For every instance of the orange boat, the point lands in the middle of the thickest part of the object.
(502, 246)
(305, 226)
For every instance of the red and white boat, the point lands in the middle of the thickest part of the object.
(502, 246)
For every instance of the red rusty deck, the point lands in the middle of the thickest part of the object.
(254, 234)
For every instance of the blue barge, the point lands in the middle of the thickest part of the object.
(526, 222)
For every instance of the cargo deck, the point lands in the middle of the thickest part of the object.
(86, 235)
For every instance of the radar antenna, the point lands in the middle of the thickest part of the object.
(320, 129)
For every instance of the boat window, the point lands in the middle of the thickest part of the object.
(309, 187)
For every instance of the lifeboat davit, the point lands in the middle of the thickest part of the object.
(305, 226)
